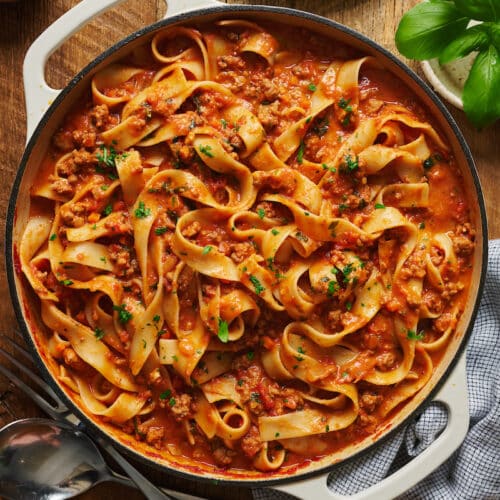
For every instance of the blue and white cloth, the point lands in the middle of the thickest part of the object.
(473, 471)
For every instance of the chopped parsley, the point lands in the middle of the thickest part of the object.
(166, 394)
(107, 157)
(344, 105)
(421, 225)
(257, 284)
(428, 163)
(223, 123)
(53, 237)
(223, 332)
(301, 236)
(300, 152)
(261, 213)
(104, 187)
(250, 355)
(321, 127)
(312, 87)
(413, 335)
(207, 151)
(351, 164)
(275, 232)
(123, 315)
(379, 205)
(326, 167)
(99, 333)
(141, 212)
(66, 282)
(160, 230)
(206, 249)
(171, 402)
(107, 210)
(156, 318)
(348, 306)
(333, 288)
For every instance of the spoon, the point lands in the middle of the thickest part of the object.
(44, 459)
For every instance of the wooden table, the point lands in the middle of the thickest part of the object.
(22, 21)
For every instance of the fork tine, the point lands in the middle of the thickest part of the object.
(33, 376)
(44, 405)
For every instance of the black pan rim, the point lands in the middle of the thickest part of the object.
(93, 428)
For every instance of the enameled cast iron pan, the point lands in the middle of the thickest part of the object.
(448, 383)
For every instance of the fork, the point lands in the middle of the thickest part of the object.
(57, 410)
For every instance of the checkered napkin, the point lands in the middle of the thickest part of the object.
(473, 471)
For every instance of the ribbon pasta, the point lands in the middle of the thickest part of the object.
(255, 245)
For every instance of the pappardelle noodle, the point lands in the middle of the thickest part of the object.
(251, 246)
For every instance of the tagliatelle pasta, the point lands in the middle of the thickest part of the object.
(251, 246)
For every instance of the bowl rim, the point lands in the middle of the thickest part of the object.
(198, 15)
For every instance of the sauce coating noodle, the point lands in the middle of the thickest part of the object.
(247, 252)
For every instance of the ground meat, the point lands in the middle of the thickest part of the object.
(241, 251)
(269, 115)
(278, 181)
(463, 240)
(433, 301)
(84, 138)
(185, 280)
(73, 360)
(230, 62)
(191, 230)
(61, 186)
(451, 289)
(386, 360)
(223, 456)
(100, 115)
(444, 322)
(182, 407)
(437, 256)
(260, 88)
(285, 399)
(370, 401)
(251, 442)
(125, 263)
(154, 436)
(414, 266)
(73, 215)
(63, 140)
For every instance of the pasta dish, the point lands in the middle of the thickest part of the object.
(250, 245)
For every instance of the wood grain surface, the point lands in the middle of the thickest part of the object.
(22, 21)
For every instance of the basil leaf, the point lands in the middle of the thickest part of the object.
(428, 28)
(482, 88)
(474, 38)
(482, 10)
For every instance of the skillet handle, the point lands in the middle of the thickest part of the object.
(38, 94)
(454, 396)
(180, 6)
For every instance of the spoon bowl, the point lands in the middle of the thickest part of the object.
(48, 460)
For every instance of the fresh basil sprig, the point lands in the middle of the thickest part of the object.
(439, 29)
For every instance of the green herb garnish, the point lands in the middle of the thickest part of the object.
(379, 205)
(160, 230)
(257, 285)
(439, 29)
(123, 315)
(166, 394)
(99, 333)
(141, 212)
(413, 335)
(223, 332)
(300, 152)
(206, 249)
(207, 151)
